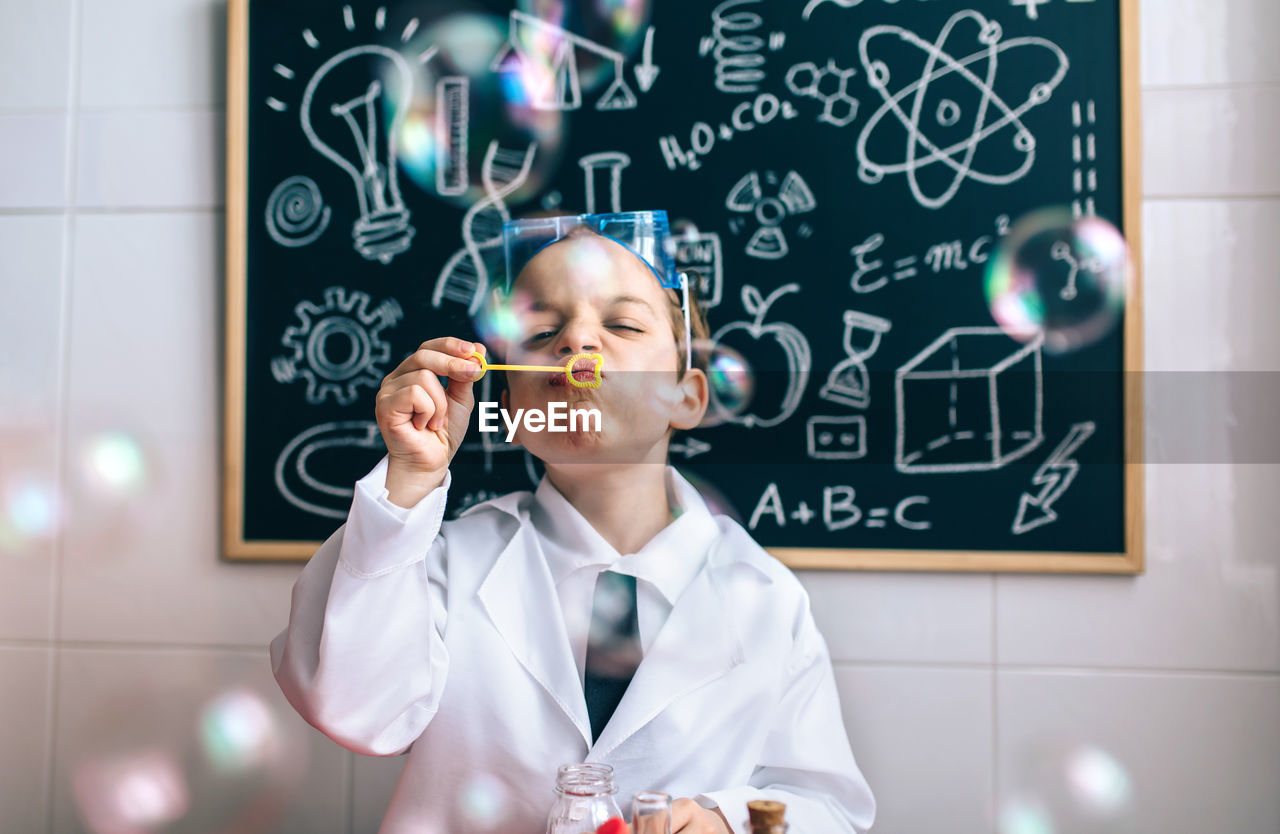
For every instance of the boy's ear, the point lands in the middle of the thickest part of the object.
(688, 412)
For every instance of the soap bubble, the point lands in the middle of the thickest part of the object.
(458, 95)
(1098, 782)
(164, 757)
(716, 501)
(113, 464)
(618, 25)
(1024, 817)
(29, 513)
(484, 802)
(730, 381)
(1061, 277)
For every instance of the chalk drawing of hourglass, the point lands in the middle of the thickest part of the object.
(849, 383)
(340, 96)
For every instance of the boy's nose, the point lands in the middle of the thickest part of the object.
(577, 338)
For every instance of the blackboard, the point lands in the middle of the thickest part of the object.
(842, 260)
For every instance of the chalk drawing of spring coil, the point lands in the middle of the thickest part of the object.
(737, 51)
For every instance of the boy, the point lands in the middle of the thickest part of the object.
(607, 616)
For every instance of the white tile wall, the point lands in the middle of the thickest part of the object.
(963, 695)
(1198, 42)
(24, 746)
(1191, 141)
(35, 41)
(155, 378)
(30, 330)
(113, 705)
(33, 165)
(1177, 754)
(150, 159)
(895, 617)
(153, 53)
(923, 738)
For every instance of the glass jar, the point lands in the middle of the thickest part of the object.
(651, 813)
(584, 799)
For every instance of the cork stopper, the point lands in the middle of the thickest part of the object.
(765, 813)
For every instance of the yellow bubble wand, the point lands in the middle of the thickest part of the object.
(596, 359)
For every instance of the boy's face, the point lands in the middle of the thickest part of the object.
(588, 294)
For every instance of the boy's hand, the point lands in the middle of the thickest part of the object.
(421, 421)
(688, 817)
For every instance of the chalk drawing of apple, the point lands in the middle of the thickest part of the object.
(795, 348)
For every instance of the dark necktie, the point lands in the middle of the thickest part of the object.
(613, 646)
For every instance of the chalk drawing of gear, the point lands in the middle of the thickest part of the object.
(337, 348)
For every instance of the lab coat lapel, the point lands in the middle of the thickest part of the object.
(515, 595)
(696, 646)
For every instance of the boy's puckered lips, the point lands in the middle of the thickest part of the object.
(584, 370)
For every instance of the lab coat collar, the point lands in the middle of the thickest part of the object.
(697, 645)
(669, 561)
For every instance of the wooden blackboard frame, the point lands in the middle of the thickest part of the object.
(1130, 561)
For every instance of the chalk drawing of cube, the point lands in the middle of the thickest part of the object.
(969, 402)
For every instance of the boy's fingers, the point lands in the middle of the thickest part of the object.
(435, 355)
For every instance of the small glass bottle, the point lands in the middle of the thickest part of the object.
(766, 817)
(584, 799)
(651, 813)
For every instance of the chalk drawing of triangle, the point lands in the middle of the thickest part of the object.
(617, 97)
(745, 194)
(768, 242)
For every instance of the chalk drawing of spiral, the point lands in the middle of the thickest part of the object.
(296, 213)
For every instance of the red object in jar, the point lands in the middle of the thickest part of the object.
(613, 825)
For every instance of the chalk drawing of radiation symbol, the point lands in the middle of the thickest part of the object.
(337, 348)
(296, 214)
(794, 197)
(923, 112)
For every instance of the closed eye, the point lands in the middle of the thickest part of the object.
(625, 327)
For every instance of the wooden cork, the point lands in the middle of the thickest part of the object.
(766, 812)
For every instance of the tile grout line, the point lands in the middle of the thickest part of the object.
(995, 697)
(1050, 669)
(349, 765)
(1209, 87)
(61, 422)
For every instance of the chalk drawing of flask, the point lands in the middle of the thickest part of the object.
(339, 95)
(849, 382)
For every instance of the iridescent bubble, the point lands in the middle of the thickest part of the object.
(1059, 277)
(716, 501)
(187, 756)
(730, 381)
(484, 802)
(682, 231)
(471, 121)
(1024, 817)
(29, 513)
(1097, 781)
(615, 25)
(238, 731)
(114, 464)
(134, 791)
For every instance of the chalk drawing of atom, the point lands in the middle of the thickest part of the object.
(951, 108)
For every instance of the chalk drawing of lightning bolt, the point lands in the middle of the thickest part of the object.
(1053, 477)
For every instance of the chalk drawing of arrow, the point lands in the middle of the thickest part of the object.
(690, 447)
(1053, 477)
(647, 72)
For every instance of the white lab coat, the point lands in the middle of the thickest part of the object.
(446, 640)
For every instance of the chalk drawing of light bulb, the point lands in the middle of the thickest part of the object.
(341, 111)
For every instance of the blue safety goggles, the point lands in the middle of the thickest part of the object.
(646, 234)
